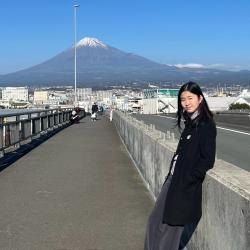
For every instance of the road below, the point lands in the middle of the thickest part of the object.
(233, 136)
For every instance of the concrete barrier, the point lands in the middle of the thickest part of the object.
(225, 224)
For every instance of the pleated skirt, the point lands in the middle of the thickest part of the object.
(161, 236)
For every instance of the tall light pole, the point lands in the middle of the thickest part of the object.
(75, 7)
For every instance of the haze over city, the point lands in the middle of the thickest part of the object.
(195, 34)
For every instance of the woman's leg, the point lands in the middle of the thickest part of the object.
(161, 236)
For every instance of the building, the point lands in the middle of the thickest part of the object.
(170, 105)
(245, 93)
(41, 96)
(15, 94)
(83, 94)
(220, 103)
(155, 93)
(243, 100)
(102, 95)
(159, 100)
(214, 103)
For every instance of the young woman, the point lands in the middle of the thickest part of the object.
(178, 206)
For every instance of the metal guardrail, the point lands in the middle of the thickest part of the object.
(234, 112)
(22, 126)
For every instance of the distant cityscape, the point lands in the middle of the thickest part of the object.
(149, 100)
(117, 79)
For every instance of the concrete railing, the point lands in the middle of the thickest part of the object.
(225, 223)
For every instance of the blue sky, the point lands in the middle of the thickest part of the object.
(198, 32)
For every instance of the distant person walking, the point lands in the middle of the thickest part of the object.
(177, 209)
(94, 111)
(94, 108)
(111, 114)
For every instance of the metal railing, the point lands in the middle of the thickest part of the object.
(22, 126)
(234, 112)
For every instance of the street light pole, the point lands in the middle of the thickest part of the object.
(75, 7)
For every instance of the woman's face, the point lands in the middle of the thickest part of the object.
(189, 101)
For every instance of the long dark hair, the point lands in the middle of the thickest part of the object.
(203, 109)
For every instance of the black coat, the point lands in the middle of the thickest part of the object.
(94, 108)
(196, 154)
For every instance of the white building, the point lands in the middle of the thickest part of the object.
(158, 100)
(59, 96)
(102, 95)
(169, 105)
(245, 93)
(83, 94)
(243, 100)
(120, 102)
(220, 103)
(15, 94)
(41, 96)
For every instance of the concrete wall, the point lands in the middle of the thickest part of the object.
(225, 224)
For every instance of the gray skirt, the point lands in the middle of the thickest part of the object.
(161, 236)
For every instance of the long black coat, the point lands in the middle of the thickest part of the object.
(196, 154)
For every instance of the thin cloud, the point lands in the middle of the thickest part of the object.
(190, 65)
(212, 66)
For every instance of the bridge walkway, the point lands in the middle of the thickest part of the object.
(77, 190)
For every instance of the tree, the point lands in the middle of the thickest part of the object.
(239, 106)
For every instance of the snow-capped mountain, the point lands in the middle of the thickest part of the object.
(91, 42)
(101, 64)
(96, 63)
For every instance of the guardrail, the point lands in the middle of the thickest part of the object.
(233, 112)
(22, 126)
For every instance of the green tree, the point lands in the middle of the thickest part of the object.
(239, 106)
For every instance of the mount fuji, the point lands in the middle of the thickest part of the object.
(101, 64)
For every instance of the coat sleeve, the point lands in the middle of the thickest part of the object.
(207, 146)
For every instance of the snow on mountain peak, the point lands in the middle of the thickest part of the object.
(90, 42)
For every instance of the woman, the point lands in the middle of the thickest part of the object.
(178, 206)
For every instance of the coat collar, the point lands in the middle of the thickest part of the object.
(191, 119)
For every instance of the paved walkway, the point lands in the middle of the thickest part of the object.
(77, 190)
